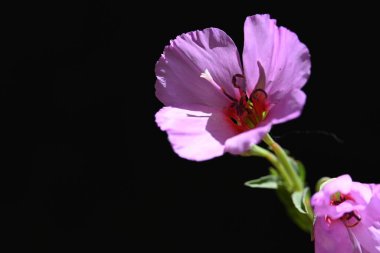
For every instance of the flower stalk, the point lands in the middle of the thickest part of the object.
(262, 152)
(289, 182)
(285, 161)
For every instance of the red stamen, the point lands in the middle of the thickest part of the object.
(248, 112)
(347, 219)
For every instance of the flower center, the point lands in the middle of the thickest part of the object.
(350, 219)
(248, 112)
(338, 198)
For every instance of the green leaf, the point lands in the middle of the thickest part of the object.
(266, 182)
(299, 200)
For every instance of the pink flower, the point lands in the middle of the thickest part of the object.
(213, 103)
(347, 217)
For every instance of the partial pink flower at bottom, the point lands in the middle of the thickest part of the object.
(213, 103)
(347, 217)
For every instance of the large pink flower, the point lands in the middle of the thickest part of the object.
(347, 217)
(213, 104)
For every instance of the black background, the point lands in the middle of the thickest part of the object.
(86, 167)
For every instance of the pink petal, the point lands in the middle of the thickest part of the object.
(244, 141)
(178, 70)
(340, 184)
(368, 230)
(195, 135)
(368, 233)
(362, 193)
(373, 208)
(321, 203)
(289, 107)
(331, 238)
(285, 59)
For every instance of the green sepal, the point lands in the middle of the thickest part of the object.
(265, 182)
(299, 200)
(321, 182)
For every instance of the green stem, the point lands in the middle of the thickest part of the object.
(262, 152)
(285, 161)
